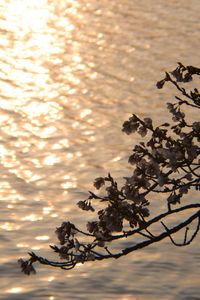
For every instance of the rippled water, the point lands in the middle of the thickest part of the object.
(70, 73)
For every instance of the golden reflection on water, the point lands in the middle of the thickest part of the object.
(31, 218)
(51, 278)
(10, 226)
(21, 245)
(28, 15)
(28, 21)
(30, 101)
(42, 238)
(15, 290)
(34, 41)
(66, 74)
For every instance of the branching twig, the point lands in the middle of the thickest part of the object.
(167, 163)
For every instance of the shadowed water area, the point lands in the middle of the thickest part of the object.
(70, 73)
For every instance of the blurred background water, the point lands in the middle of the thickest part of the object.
(70, 73)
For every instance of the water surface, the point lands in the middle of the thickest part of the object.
(70, 73)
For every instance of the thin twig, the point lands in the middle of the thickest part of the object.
(154, 220)
(158, 238)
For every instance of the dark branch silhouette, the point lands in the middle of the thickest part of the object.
(166, 162)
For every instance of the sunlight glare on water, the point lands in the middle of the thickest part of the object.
(15, 290)
(70, 73)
